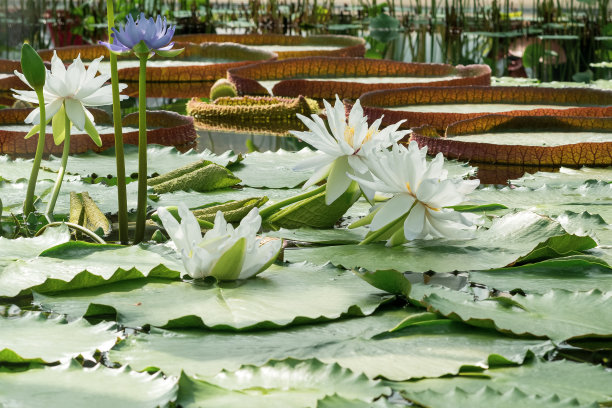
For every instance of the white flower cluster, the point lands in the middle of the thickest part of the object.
(421, 190)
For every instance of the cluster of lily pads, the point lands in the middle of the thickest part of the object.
(361, 274)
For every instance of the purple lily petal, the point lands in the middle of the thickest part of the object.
(155, 33)
(115, 47)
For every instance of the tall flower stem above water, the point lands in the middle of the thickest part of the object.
(62, 169)
(28, 204)
(141, 211)
(119, 155)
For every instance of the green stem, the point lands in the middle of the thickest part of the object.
(77, 227)
(28, 205)
(62, 169)
(141, 209)
(119, 155)
(268, 211)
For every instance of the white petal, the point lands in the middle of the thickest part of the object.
(357, 164)
(318, 175)
(337, 182)
(391, 211)
(317, 161)
(415, 222)
(189, 223)
(75, 112)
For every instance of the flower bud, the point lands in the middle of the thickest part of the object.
(33, 67)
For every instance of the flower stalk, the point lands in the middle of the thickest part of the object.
(28, 205)
(268, 211)
(62, 169)
(141, 209)
(119, 154)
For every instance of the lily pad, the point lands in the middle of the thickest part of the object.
(578, 273)
(164, 128)
(557, 314)
(252, 114)
(486, 396)
(288, 46)
(585, 382)
(508, 238)
(565, 177)
(278, 297)
(441, 106)
(55, 387)
(359, 344)
(34, 338)
(345, 76)
(62, 267)
(526, 140)
(199, 62)
(27, 248)
(273, 169)
(270, 386)
(161, 159)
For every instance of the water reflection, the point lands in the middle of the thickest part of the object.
(239, 142)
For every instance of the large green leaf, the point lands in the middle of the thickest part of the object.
(335, 236)
(335, 401)
(20, 169)
(273, 169)
(558, 314)
(487, 397)
(25, 248)
(70, 385)
(570, 273)
(565, 177)
(360, 344)
(587, 383)
(283, 384)
(32, 337)
(160, 159)
(62, 267)
(595, 197)
(278, 296)
(509, 237)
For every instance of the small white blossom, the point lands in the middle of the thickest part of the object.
(344, 148)
(421, 191)
(224, 252)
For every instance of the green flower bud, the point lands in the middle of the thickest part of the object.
(33, 67)
(221, 88)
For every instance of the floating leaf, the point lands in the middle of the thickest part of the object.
(34, 338)
(526, 140)
(557, 314)
(55, 386)
(359, 344)
(271, 386)
(441, 106)
(165, 128)
(26, 248)
(278, 297)
(76, 265)
(578, 273)
(585, 382)
(289, 46)
(507, 239)
(253, 114)
(487, 397)
(295, 76)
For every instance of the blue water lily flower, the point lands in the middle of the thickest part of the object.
(143, 36)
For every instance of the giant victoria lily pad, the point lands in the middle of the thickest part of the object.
(527, 140)
(166, 128)
(248, 113)
(441, 106)
(199, 62)
(325, 77)
(288, 46)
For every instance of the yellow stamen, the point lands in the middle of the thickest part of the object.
(415, 197)
(349, 136)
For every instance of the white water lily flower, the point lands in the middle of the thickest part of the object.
(344, 148)
(75, 86)
(224, 253)
(420, 191)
